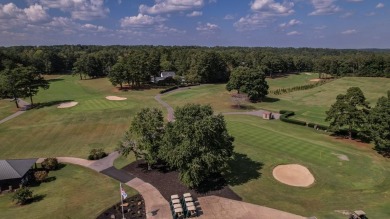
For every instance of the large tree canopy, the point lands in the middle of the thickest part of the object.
(350, 111)
(145, 135)
(379, 121)
(197, 144)
(250, 81)
(21, 82)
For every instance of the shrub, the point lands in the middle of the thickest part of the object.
(22, 195)
(96, 154)
(40, 176)
(50, 164)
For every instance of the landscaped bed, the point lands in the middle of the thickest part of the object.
(168, 183)
(133, 207)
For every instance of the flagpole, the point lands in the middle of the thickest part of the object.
(120, 189)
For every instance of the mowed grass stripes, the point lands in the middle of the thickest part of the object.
(358, 183)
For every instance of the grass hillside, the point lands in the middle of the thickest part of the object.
(94, 123)
(363, 182)
(309, 105)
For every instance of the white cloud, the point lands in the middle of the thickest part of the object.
(291, 23)
(79, 9)
(207, 27)
(164, 29)
(355, 0)
(93, 27)
(195, 14)
(228, 17)
(35, 13)
(166, 6)
(324, 7)
(292, 33)
(380, 5)
(348, 32)
(140, 20)
(272, 7)
(252, 22)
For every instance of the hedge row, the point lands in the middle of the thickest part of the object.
(298, 88)
(284, 117)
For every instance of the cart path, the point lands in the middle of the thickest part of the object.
(22, 103)
(155, 204)
(171, 117)
(157, 207)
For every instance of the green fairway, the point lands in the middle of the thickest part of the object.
(363, 182)
(76, 192)
(309, 105)
(94, 123)
(291, 80)
(7, 108)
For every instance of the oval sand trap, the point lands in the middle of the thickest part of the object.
(316, 80)
(293, 175)
(115, 98)
(67, 105)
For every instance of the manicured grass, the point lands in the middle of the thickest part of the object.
(309, 105)
(94, 123)
(291, 80)
(361, 183)
(76, 192)
(7, 108)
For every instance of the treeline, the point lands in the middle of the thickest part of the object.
(200, 64)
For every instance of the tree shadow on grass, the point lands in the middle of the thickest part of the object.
(50, 103)
(55, 80)
(270, 100)
(243, 169)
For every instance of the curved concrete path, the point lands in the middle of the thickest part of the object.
(22, 103)
(155, 204)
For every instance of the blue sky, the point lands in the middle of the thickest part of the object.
(276, 23)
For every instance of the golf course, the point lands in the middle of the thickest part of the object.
(349, 175)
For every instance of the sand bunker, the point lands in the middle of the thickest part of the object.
(315, 80)
(293, 175)
(115, 98)
(67, 105)
(307, 73)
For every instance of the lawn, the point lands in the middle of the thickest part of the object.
(309, 105)
(76, 192)
(363, 182)
(7, 108)
(94, 123)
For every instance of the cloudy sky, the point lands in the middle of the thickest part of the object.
(276, 23)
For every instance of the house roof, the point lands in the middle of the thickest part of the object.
(11, 169)
(166, 74)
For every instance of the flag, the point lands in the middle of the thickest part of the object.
(123, 193)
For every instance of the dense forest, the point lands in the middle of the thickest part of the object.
(135, 64)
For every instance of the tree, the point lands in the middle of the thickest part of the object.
(250, 81)
(379, 124)
(21, 82)
(127, 145)
(147, 129)
(197, 144)
(255, 85)
(22, 195)
(237, 79)
(117, 74)
(350, 110)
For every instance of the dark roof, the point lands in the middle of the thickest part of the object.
(11, 169)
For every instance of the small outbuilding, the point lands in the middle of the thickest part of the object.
(14, 173)
(267, 115)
